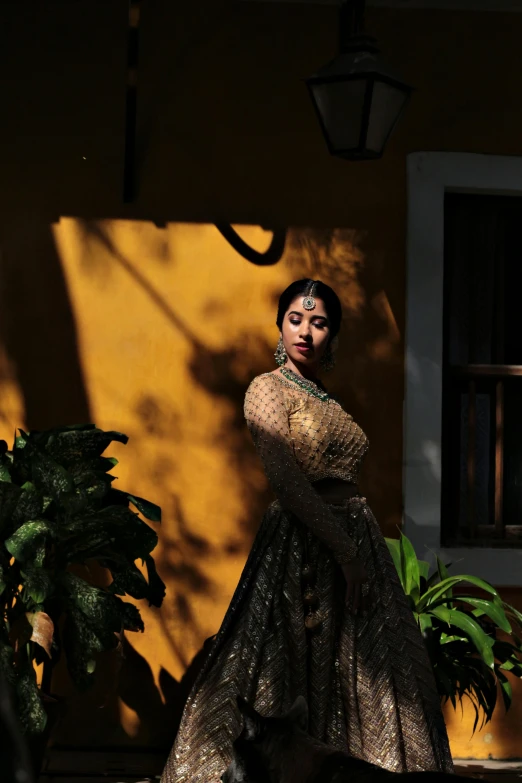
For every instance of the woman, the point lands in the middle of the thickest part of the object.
(319, 610)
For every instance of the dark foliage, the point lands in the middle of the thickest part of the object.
(58, 510)
(473, 640)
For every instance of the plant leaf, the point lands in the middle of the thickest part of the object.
(136, 538)
(481, 689)
(425, 622)
(441, 588)
(424, 569)
(94, 534)
(445, 683)
(504, 650)
(71, 445)
(43, 630)
(505, 689)
(442, 569)
(483, 606)
(491, 609)
(410, 568)
(99, 607)
(5, 465)
(445, 639)
(38, 583)
(7, 658)
(31, 712)
(29, 505)
(83, 537)
(149, 510)
(49, 476)
(28, 542)
(514, 613)
(9, 494)
(511, 665)
(83, 640)
(131, 617)
(510, 657)
(21, 440)
(128, 579)
(480, 640)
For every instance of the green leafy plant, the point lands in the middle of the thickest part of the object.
(471, 635)
(60, 520)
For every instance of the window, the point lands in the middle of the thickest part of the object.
(482, 372)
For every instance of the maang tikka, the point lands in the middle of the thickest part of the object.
(309, 301)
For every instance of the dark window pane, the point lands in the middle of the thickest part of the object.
(475, 236)
(482, 412)
(470, 465)
(513, 452)
(512, 308)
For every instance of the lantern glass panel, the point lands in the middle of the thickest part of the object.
(387, 104)
(341, 107)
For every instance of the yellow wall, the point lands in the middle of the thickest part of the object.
(157, 329)
(172, 324)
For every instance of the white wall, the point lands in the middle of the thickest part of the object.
(430, 175)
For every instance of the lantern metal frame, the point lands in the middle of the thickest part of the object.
(352, 41)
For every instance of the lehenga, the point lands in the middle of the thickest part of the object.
(366, 677)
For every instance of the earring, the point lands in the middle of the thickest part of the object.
(280, 353)
(328, 359)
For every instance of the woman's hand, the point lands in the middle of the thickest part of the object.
(355, 575)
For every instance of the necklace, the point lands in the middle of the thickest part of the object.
(308, 386)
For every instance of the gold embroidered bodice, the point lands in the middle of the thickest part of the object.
(302, 439)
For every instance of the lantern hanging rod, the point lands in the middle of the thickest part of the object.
(351, 21)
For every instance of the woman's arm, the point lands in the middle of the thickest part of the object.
(267, 421)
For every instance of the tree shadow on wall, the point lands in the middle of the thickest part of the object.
(334, 256)
(38, 329)
(369, 375)
(223, 374)
(40, 337)
(183, 559)
(159, 717)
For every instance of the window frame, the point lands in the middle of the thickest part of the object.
(430, 175)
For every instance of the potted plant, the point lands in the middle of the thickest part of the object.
(472, 635)
(59, 513)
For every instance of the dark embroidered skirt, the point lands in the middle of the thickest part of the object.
(367, 678)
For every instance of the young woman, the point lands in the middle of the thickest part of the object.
(319, 610)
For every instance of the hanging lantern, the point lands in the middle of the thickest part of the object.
(358, 97)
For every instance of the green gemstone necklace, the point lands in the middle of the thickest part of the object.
(308, 386)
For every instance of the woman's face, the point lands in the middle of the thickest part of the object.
(306, 332)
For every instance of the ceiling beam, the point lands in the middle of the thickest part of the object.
(448, 5)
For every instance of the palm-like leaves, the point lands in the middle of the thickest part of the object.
(461, 631)
(58, 509)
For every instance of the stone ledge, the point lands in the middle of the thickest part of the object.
(92, 766)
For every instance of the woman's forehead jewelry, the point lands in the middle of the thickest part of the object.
(309, 301)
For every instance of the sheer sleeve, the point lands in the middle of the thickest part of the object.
(267, 420)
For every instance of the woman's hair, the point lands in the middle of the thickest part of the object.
(322, 291)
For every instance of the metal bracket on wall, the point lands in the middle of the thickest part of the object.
(271, 256)
(129, 165)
